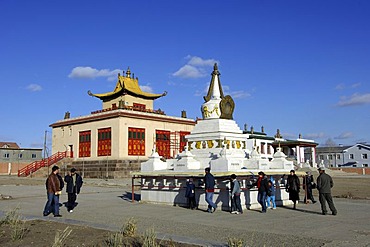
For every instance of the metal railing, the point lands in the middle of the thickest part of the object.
(36, 165)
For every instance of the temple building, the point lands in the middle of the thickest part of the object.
(125, 129)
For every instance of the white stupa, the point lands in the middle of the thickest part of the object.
(217, 141)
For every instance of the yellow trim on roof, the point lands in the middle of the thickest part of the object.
(129, 84)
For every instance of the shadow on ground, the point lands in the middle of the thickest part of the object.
(128, 196)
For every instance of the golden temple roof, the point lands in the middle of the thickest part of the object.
(127, 85)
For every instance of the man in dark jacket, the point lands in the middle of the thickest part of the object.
(308, 184)
(74, 184)
(209, 182)
(324, 185)
(262, 185)
(53, 192)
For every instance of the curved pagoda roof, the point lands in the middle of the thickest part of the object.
(127, 85)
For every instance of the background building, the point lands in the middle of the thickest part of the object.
(13, 158)
(357, 155)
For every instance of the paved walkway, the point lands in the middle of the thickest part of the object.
(109, 208)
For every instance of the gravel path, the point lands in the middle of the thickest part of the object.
(106, 205)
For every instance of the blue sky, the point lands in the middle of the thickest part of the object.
(299, 66)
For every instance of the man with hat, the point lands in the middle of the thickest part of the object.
(324, 185)
(53, 192)
(74, 183)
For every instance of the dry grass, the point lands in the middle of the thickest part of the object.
(150, 238)
(16, 223)
(235, 242)
(129, 229)
(61, 237)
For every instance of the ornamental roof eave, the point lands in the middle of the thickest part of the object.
(109, 95)
(127, 85)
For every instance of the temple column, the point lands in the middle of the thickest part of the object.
(313, 156)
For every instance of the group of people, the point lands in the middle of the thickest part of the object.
(267, 191)
(323, 185)
(54, 186)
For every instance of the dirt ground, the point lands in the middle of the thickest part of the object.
(38, 232)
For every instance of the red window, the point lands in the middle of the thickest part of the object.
(139, 107)
(84, 143)
(136, 141)
(104, 142)
(163, 143)
(183, 140)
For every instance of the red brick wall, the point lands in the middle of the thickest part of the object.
(4, 166)
(358, 170)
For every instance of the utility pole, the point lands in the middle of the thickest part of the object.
(45, 148)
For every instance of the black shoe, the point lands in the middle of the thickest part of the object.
(334, 213)
(45, 214)
(214, 209)
(313, 202)
(57, 215)
(324, 213)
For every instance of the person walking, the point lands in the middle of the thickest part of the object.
(324, 185)
(236, 207)
(209, 182)
(61, 186)
(262, 185)
(308, 185)
(293, 187)
(53, 192)
(190, 193)
(74, 183)
(271, 193)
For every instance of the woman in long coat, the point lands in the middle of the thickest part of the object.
(293, 187)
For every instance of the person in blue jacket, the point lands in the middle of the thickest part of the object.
(271, 193)
(190, 193)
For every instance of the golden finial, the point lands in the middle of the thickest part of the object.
(128, 72)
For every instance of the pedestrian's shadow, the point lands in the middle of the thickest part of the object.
(128, 196)
(300, 210)
(255, 210)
